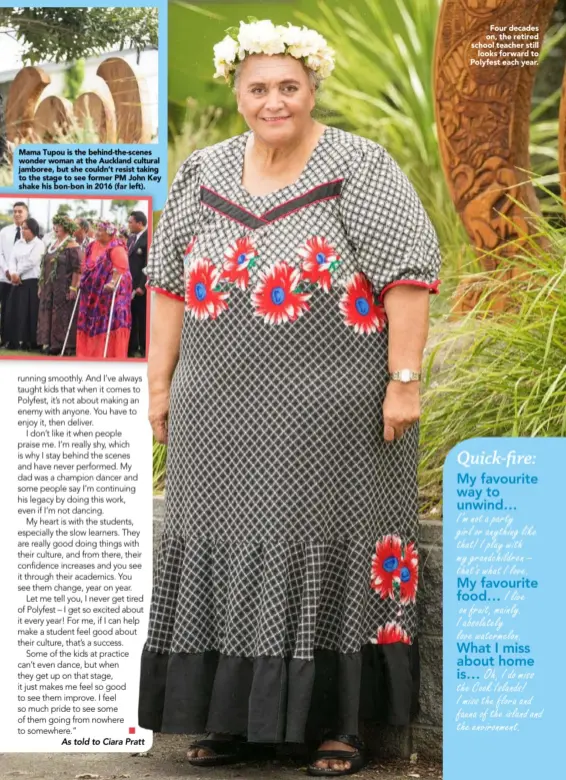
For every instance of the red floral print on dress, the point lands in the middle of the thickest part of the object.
(202, 297)
(238, 259)
(189, 248)
(390, 633)
(277, 296)
(319, 259)
(385, 566)
(359, 308)
(409, 574)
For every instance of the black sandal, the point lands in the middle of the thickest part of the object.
(225, 751)
(357, 759)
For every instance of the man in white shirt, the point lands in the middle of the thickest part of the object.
(8, 237)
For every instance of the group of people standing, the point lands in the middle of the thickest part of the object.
(80, 290)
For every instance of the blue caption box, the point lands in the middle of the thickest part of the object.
(503, 685)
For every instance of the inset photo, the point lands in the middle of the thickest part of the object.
(72, 277)
(77, 75)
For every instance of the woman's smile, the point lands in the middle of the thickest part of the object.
(275, 119)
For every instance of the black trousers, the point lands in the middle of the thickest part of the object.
(139, 320)
(4, 295)
(21, 313)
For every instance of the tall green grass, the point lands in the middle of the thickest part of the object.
(492, 374)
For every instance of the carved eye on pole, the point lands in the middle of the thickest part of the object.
(482, 108)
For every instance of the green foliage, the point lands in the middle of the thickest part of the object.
(382, 88)
(159, 463)
(74, 77)
(67, 34)
(121, 208)
(501, 374)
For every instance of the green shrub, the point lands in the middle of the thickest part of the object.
(504, 374)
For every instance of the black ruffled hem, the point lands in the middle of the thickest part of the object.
(271, 699)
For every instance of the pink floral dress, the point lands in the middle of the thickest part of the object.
(285, 595)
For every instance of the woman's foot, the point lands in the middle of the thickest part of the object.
(197, 751)
(336, 764)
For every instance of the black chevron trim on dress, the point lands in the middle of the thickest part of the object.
(228, 208)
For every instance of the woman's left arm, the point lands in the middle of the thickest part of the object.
(120, 266)
(407, 308)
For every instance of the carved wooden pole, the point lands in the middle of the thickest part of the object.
(482, 114)
(562, 140)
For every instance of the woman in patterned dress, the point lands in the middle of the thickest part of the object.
(105, 319)
(292, 266)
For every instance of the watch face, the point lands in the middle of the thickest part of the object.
(405, 375)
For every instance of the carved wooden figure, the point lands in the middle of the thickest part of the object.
(482, 114)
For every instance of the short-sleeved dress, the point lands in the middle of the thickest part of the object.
(284, 599)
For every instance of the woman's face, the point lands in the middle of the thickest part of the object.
(59, 232)
(275, 97)
(27, 234)
(102, 236)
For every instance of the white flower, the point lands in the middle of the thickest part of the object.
(305, 43)
(260, 38)
(223, 70)
(322, 63)
(263, 37)
(225, 51)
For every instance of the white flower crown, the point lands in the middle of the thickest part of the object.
(264, 37)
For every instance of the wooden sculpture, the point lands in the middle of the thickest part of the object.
(97, 103)
(23, 98)
(482, 115)
(115, 102)
(130, 96)
(562, 140)
(53, 118)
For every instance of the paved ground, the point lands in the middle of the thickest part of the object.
(166, 761)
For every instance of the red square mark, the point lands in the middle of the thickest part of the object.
(132, 730)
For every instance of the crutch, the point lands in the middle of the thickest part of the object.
(111, 314)
(71, 321)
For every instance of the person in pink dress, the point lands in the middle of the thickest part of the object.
(105, 297)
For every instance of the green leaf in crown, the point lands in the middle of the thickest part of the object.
(233, 32)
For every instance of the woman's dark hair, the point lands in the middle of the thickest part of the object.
(33, 225)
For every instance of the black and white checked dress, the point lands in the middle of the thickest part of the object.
(284, 600)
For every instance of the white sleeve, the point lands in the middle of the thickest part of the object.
(32, 260)
(3, 259)
(12, 262)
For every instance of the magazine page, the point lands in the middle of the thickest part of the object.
(282, 360)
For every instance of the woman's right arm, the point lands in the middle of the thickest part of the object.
(166, 277)
(164, 344)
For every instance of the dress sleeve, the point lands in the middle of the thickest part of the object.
(119, 257)
(74, 258)
(176, 227)
(392, 235)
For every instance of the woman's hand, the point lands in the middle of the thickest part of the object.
(159, 415)
(401, 408)
(15, 279)
(110, 286)
(71, 295)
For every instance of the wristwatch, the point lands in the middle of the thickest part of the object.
(405, 375)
